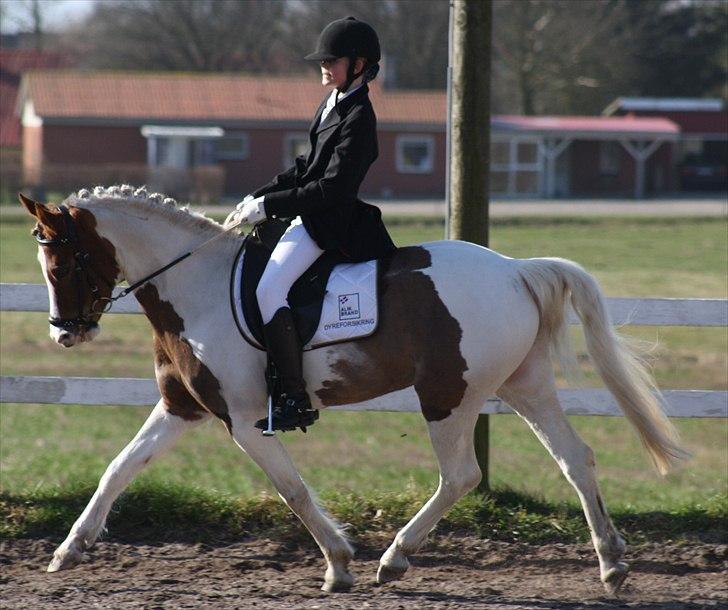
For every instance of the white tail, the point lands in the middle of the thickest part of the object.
(551, 281)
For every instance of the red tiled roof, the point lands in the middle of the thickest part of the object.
(13, 62)
(174, 96)
(587, 124)
(209, 97)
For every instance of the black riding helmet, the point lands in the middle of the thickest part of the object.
(350, 38)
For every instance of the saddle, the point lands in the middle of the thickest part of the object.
(332, 302)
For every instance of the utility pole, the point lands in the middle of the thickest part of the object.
(469, 145)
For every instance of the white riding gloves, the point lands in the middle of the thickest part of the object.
(249, 211)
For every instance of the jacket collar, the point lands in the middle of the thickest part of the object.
(339, 111)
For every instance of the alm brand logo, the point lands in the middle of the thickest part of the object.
(349, 306)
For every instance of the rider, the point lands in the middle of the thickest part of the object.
(319, 194)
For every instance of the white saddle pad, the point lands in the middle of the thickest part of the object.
(350, 309)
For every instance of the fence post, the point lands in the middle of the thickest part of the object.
(469, 144)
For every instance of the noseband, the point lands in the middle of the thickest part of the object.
(86, 279)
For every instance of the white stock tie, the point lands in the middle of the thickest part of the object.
(330, 103)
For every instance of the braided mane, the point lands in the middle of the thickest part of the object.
(140, 198)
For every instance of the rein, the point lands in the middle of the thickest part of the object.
(85, 275)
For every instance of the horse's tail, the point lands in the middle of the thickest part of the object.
(551, 281)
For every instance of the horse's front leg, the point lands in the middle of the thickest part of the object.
(159, 431)
(273, 458)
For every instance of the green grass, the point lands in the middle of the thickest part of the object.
(52, 456)
(164, 513)
(49, 447)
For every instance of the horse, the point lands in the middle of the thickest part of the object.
(458, 324)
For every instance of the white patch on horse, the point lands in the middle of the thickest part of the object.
(53, 331)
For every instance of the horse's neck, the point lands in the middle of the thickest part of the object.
(146, 240)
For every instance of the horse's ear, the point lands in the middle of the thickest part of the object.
(29, 204)
(42, 212)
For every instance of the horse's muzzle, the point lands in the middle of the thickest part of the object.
(68, 337)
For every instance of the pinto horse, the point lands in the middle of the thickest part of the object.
(458, 324)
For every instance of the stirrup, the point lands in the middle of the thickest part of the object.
(287, 416)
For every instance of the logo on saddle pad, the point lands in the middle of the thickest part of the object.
(349, 306)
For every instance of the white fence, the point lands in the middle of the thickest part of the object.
(125, 391)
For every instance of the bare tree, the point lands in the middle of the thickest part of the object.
(413, 34)
(198, 35)
(557, 56)
(549, 56)
(28, 16)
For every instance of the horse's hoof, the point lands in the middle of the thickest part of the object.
(614, 578)
(387, 573)
(341, 584)
(64, 560)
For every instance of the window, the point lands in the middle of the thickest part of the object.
(161, 151)
(169, 152)
(202, 152)
(500, 152)
(609, 158)
(527, 182)
(527, 152)
(515, 165)
(233, 146)
(294, 145)
(415, 154)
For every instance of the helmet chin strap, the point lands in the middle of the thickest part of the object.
(350, 77)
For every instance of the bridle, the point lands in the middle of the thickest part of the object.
(86, 278)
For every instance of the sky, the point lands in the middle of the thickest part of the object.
(55, 13)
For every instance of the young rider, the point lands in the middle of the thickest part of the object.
(319, 194)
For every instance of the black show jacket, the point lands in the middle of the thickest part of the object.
(322, 187)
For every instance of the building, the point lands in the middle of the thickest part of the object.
(209, 134)
(567, 156)
(13, 62)
(701, 152)
(206, 135)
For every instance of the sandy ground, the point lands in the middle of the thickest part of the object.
(453, 572)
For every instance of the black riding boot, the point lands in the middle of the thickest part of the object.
(293, 408)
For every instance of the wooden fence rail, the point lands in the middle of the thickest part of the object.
(124, 391)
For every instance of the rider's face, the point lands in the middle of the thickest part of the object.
(333, 72)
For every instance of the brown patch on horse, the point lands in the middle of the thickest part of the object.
(188, 387)
(417, 344)
(103, 270)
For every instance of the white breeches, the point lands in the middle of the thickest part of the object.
(295, 253)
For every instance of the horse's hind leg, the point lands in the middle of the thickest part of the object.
(531, 392)
(159, 431)
(273, 458)
(452, 440)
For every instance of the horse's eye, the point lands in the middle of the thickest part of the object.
(60, 271)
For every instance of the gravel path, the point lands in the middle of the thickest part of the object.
(454, 572)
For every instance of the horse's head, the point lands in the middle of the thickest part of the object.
(79, 267)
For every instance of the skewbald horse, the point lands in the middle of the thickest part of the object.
(458, 324)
